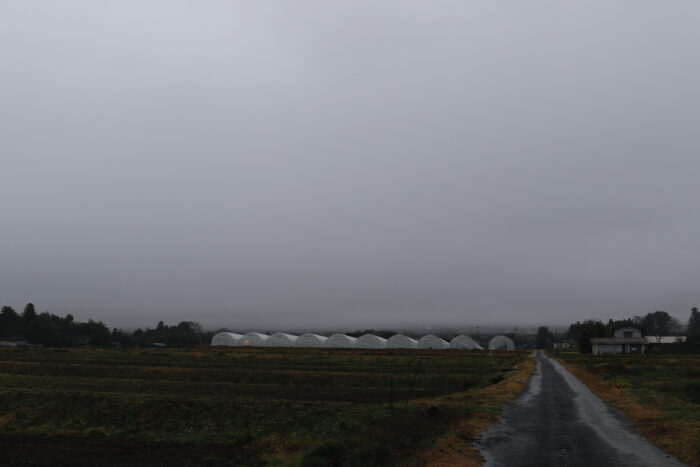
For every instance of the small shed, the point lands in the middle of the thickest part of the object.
(431, 341)
(280, 339)
(399, 341)
(229, 339)
(310, 340)
(254, 339)
(464, 342)
(370, 341)
(340, 341)
(501, 343)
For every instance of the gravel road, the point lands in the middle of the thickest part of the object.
(557, 421)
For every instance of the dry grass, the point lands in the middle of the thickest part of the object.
(5, 419)
(676, 436)
(455, 448)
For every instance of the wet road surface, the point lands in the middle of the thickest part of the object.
(557, 421)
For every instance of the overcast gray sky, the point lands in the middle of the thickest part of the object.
(314, 163)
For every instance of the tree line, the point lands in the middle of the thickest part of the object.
(54, 331)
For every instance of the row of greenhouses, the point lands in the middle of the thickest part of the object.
(366, 341)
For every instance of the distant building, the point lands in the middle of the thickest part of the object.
(501, 343)
(464, 342)
(14, 342)
(664, 344)
(370, 341)
(564, 345)
(626, 340)
(431, 341)
(253, 339)
(229, 339)
(399, 341)
(665, 340)
(340, 341)
(310, 340)
(281, 339)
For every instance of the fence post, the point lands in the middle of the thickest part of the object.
(413, 384)
(391, 391)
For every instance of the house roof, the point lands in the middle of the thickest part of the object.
(618, 340)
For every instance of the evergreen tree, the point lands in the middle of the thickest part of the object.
(29, 314)
(51, 330)
(544, 339)
(694, 322)
(583, 332)
(98, 333)
(658, 323)
(10, 324)
(29, 322)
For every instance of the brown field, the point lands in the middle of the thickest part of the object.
(249, 406)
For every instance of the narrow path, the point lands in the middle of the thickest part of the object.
(558, 421)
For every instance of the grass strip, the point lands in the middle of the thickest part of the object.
(657, 392)
(482, 409)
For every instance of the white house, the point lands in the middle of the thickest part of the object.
(626, 340)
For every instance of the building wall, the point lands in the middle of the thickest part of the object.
(617, 349)
(609, 348)
(628, 331)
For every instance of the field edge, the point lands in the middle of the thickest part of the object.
(457, 447)
(650, 422)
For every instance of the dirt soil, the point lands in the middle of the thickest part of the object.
(66, 451)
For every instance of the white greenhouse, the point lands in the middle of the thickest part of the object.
(340, 341)
(464, 342)
(254, 339)
(370, 341)
(399, 341)
(310, 340)
(501, 343)
(280, 339)
(432, 341)
(229, 339)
